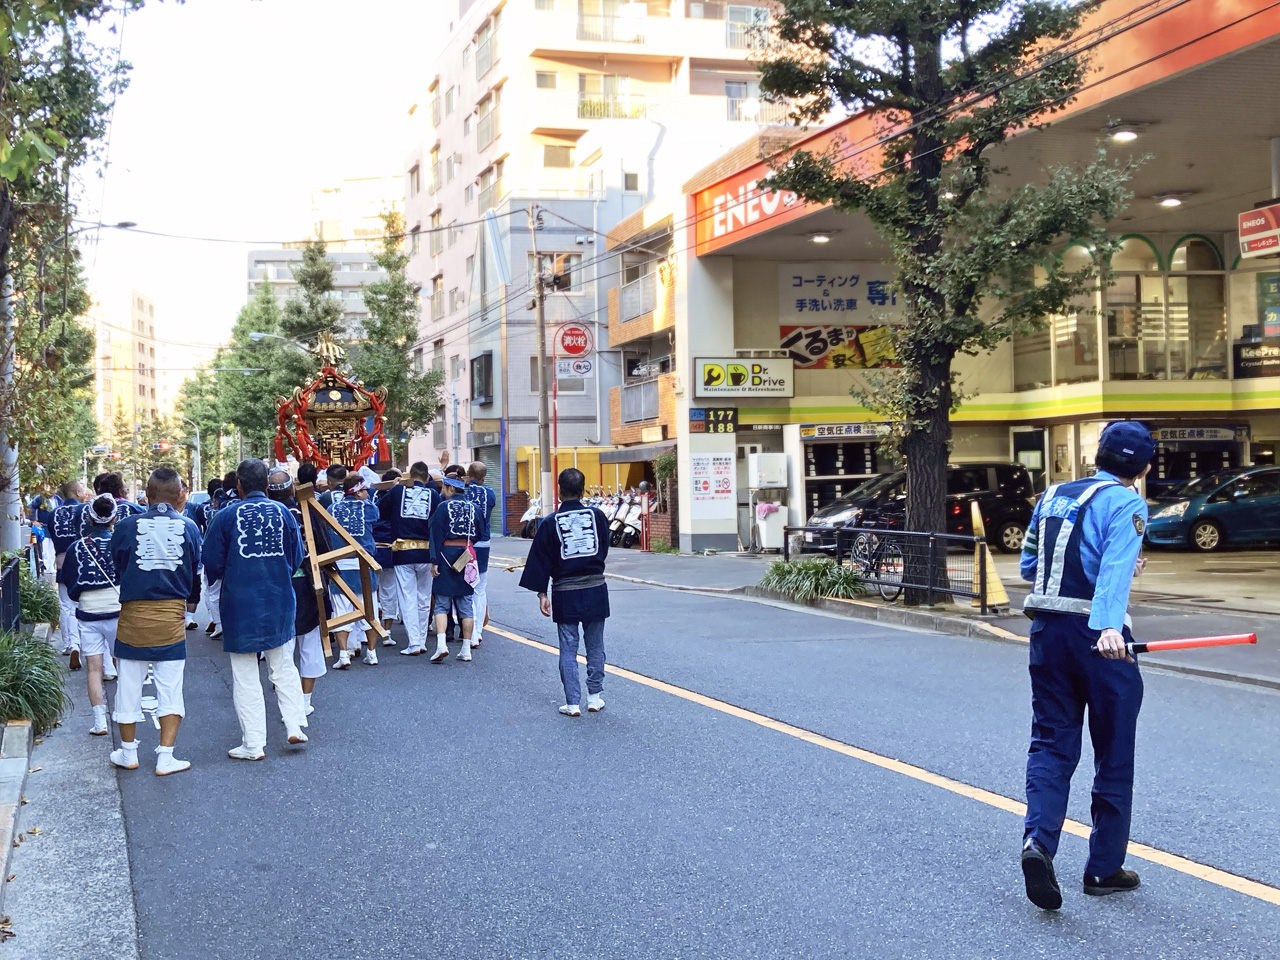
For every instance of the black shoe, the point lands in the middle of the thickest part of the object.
(210, 628)
(1042, 883)
(1118, 882)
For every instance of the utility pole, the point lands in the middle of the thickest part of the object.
(456, 432)
(544, 401)
(10, 500)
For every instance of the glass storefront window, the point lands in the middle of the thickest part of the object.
(1065, 349)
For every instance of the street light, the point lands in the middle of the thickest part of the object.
(196, 479)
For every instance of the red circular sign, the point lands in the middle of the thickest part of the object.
(574, 340)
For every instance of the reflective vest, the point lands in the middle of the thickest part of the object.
(1061, 584)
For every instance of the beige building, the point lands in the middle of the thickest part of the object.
(347, 215)
(126, 361)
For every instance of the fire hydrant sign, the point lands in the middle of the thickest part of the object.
(574, 340)
(713, 485)
(1259, 231)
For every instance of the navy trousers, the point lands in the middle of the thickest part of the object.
(1067, 678)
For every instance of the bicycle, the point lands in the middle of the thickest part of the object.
(879, 558)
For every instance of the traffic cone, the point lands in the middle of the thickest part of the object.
(996, 595)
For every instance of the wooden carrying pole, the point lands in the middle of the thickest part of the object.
(326, 565)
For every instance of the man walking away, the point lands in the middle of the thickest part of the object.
(306, 618)
(388, 589)
(485, 501)
(406, 512)
(569, 550)
(453, 531)
(253, 548)
(89, 577)
(64, 530)
(1080, 555)
(357, 515)
(156, 555)
(335, 475)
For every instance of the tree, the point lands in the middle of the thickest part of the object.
(198, 402)
(312, 309)
(382, 358)
(948, 81)
(268, 370)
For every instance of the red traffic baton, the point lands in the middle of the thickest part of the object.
(1190, 643)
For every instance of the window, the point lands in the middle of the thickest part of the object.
(569, 263)
(466, 124)
(745, 27)
(415, 240)
(482, 378)
(466, 54)
(470, 193)
(565, 384)
(438, 429)
(437, 298)
(454, 299)
(417, 360)
(547, 80)
(1249, 488)
(471, 264)
(455, 232)
(451, 167)
(437, 234)
(437, 356)
(415, 181)
(455, 367)
(548, 5)
(557, 156)
(631, 182)
(967, 480)
(450, 100)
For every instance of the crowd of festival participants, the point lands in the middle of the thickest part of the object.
(131, 578)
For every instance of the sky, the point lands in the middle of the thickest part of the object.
(236, 110)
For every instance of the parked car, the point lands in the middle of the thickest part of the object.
(1003, 492)
(1229, 506)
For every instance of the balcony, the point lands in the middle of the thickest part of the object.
(612, 106)
(640, 401)
(639, 297)
(746, 36)
(741, 108)
(486, 56)
(636, 408)
(491, 195)
(639, 309)
(600, 29)
(487, 129)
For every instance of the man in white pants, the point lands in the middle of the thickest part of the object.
(404, 517)
(156, 555)
(64, 530)
(253, 548)
(485, 501)
(388, 588)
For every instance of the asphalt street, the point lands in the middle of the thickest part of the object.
(450, 811)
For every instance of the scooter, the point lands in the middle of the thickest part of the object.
(631, 522)
(616, 521)
(529, 521)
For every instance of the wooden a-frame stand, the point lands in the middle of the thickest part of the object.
(326, 565)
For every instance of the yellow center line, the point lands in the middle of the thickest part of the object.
(1193, 868)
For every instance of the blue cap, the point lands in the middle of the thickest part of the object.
(1128, 439)
(456, 484)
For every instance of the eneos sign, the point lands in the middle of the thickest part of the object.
(1259, 231)
(743, 377)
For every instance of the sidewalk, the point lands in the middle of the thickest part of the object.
(71, 897)
(1167, 614)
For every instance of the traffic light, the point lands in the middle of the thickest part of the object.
(115, 454)
(161, 446)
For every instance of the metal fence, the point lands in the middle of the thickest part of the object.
(639, 297)
(10, 605)
(640, 401)
(893, 561)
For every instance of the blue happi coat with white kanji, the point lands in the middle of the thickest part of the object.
(156, 556)
(455, 519)
(406, 513)
(569, 551)
(87, 567)
(357, 517)
(64, 526)
(485, 502)
(253, 547)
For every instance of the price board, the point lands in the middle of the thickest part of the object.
(713, 420)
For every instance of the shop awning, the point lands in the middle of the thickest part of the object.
(637, 454)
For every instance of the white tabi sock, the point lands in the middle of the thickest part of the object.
(441, 644)
(306, 700)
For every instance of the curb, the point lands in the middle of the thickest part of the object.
(15, 756)
(939, 623)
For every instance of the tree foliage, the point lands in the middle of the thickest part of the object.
(945, 83)
(383, 357)
(258, 373)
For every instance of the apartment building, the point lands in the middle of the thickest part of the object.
(347, 215)
(586, 109)
(126, 361)
(351, 270)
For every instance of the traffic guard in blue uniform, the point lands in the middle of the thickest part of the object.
(1080, 555)
(569, 551)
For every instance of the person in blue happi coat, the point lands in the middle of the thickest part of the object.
(358, 515)
(306, 617)
(156, 555)
(405, 514)
(485, 501)
(253, 548)
(388, 589)
(64, 530)
(88, 575)
(453, 532)
(569, 552)
(1080, 555)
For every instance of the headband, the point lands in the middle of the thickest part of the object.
(283, 485)
(100, 502)
(356, 488)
